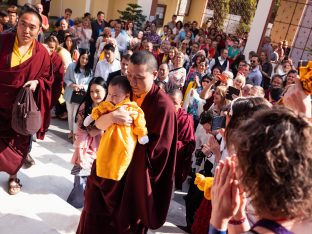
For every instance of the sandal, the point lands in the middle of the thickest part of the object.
(14, 186)
(70, 135)
(63, 116)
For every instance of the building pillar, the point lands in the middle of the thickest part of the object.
(146, 7)
(258, 26)
(88, 6)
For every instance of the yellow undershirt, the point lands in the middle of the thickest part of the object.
(139, 99)
(17, 58)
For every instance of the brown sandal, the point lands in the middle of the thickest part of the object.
(14, 186)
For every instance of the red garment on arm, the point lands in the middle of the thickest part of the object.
(58, 72)
(185, 146)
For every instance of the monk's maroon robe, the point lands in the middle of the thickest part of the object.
(58, 72)
(185, 146)
(14, 147)
(141, 199)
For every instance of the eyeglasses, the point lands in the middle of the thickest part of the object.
(207, 81)
(253, 61)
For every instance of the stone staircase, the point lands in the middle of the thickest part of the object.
(41, 207)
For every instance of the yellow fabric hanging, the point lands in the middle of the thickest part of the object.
(204, 184)
(61, 98)
(102, 56)
(191, 85)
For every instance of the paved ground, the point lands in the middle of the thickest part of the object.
(41, 207)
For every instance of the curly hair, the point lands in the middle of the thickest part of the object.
(275, 160)
(242, 109)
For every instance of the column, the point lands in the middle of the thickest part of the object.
(258, 26)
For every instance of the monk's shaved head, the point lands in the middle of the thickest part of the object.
(144, 57)
(176, 93)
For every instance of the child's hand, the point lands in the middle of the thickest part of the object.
(87, 121)
(143, 140)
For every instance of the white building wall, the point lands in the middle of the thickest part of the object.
(258, 26)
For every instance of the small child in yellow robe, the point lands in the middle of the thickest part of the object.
(118, 141)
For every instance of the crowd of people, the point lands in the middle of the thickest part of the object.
(191, 99)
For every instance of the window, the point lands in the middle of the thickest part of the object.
(184, 7)
(160, 15)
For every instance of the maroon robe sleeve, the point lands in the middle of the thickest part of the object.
(186, 135)
(44, 89)
(58, 71)
(185, 146)
(149, 181)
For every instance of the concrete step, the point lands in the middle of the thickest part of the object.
(41, 205)
(167, 228)
(37, 213)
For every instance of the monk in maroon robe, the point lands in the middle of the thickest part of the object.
(140, 200)
(36, 72)
(186, 139)
(58, 72)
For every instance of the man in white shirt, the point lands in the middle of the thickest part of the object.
(121, 39)
(163, 77)
(221, 61)
(109, 64)
(173, 22)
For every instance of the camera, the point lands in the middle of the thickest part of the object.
(199, 156)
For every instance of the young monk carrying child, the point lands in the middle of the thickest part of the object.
(118, 142)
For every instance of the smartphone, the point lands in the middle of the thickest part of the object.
(217, 123)
(231, 90)
(217, 83)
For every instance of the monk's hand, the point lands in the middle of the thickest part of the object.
(121, 116)
(32, 84)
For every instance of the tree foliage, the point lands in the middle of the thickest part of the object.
(246, 9)
(220, 9)
(133, 12)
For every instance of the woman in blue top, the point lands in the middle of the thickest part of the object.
(77, 77)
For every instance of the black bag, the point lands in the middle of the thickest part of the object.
(78, 96)
(26, 118)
